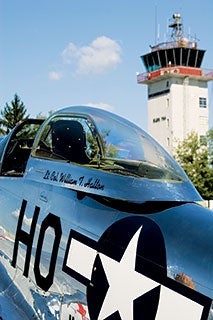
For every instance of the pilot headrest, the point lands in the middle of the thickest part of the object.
(69, 140)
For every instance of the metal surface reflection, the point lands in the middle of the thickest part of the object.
(99, 222)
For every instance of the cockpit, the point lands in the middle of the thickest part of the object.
(94, 151)
(103, 141)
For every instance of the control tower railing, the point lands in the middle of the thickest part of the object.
(183, 43)
(180, 71)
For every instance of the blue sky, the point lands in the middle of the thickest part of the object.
(57, 53)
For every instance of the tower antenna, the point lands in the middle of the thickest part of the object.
(177, 26)
(156, 22)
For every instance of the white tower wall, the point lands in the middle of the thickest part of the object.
(174, 109)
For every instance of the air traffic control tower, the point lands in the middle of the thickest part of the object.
(177, 88)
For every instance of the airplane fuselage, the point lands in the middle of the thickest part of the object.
(118, 238)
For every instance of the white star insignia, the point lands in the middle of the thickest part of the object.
(125, 284)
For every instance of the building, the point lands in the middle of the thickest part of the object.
(177, 88)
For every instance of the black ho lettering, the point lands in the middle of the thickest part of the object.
(54, 222)
(24, 237)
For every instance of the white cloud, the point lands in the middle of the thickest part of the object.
(27, 221)
(70, 53)
(54, 75)
(101, 55)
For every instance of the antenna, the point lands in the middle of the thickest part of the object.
(167, 30)
(177, 32)
(158, 38)
(189, 33)
(156, 31)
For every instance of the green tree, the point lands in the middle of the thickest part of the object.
(12, 114)
(194, 158)
(210, 144)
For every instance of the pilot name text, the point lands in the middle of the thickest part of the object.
(82, 181)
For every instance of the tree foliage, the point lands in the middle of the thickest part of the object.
(12, 114)
(210, 144)
(196, 159)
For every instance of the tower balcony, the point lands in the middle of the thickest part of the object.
(175, 71)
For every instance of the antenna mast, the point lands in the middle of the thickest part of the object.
(177, 32)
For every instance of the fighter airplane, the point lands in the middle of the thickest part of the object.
(99, 222)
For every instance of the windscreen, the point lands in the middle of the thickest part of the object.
(128, 150)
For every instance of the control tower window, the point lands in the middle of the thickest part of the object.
(202, 102)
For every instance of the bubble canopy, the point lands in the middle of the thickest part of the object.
(112, 145)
